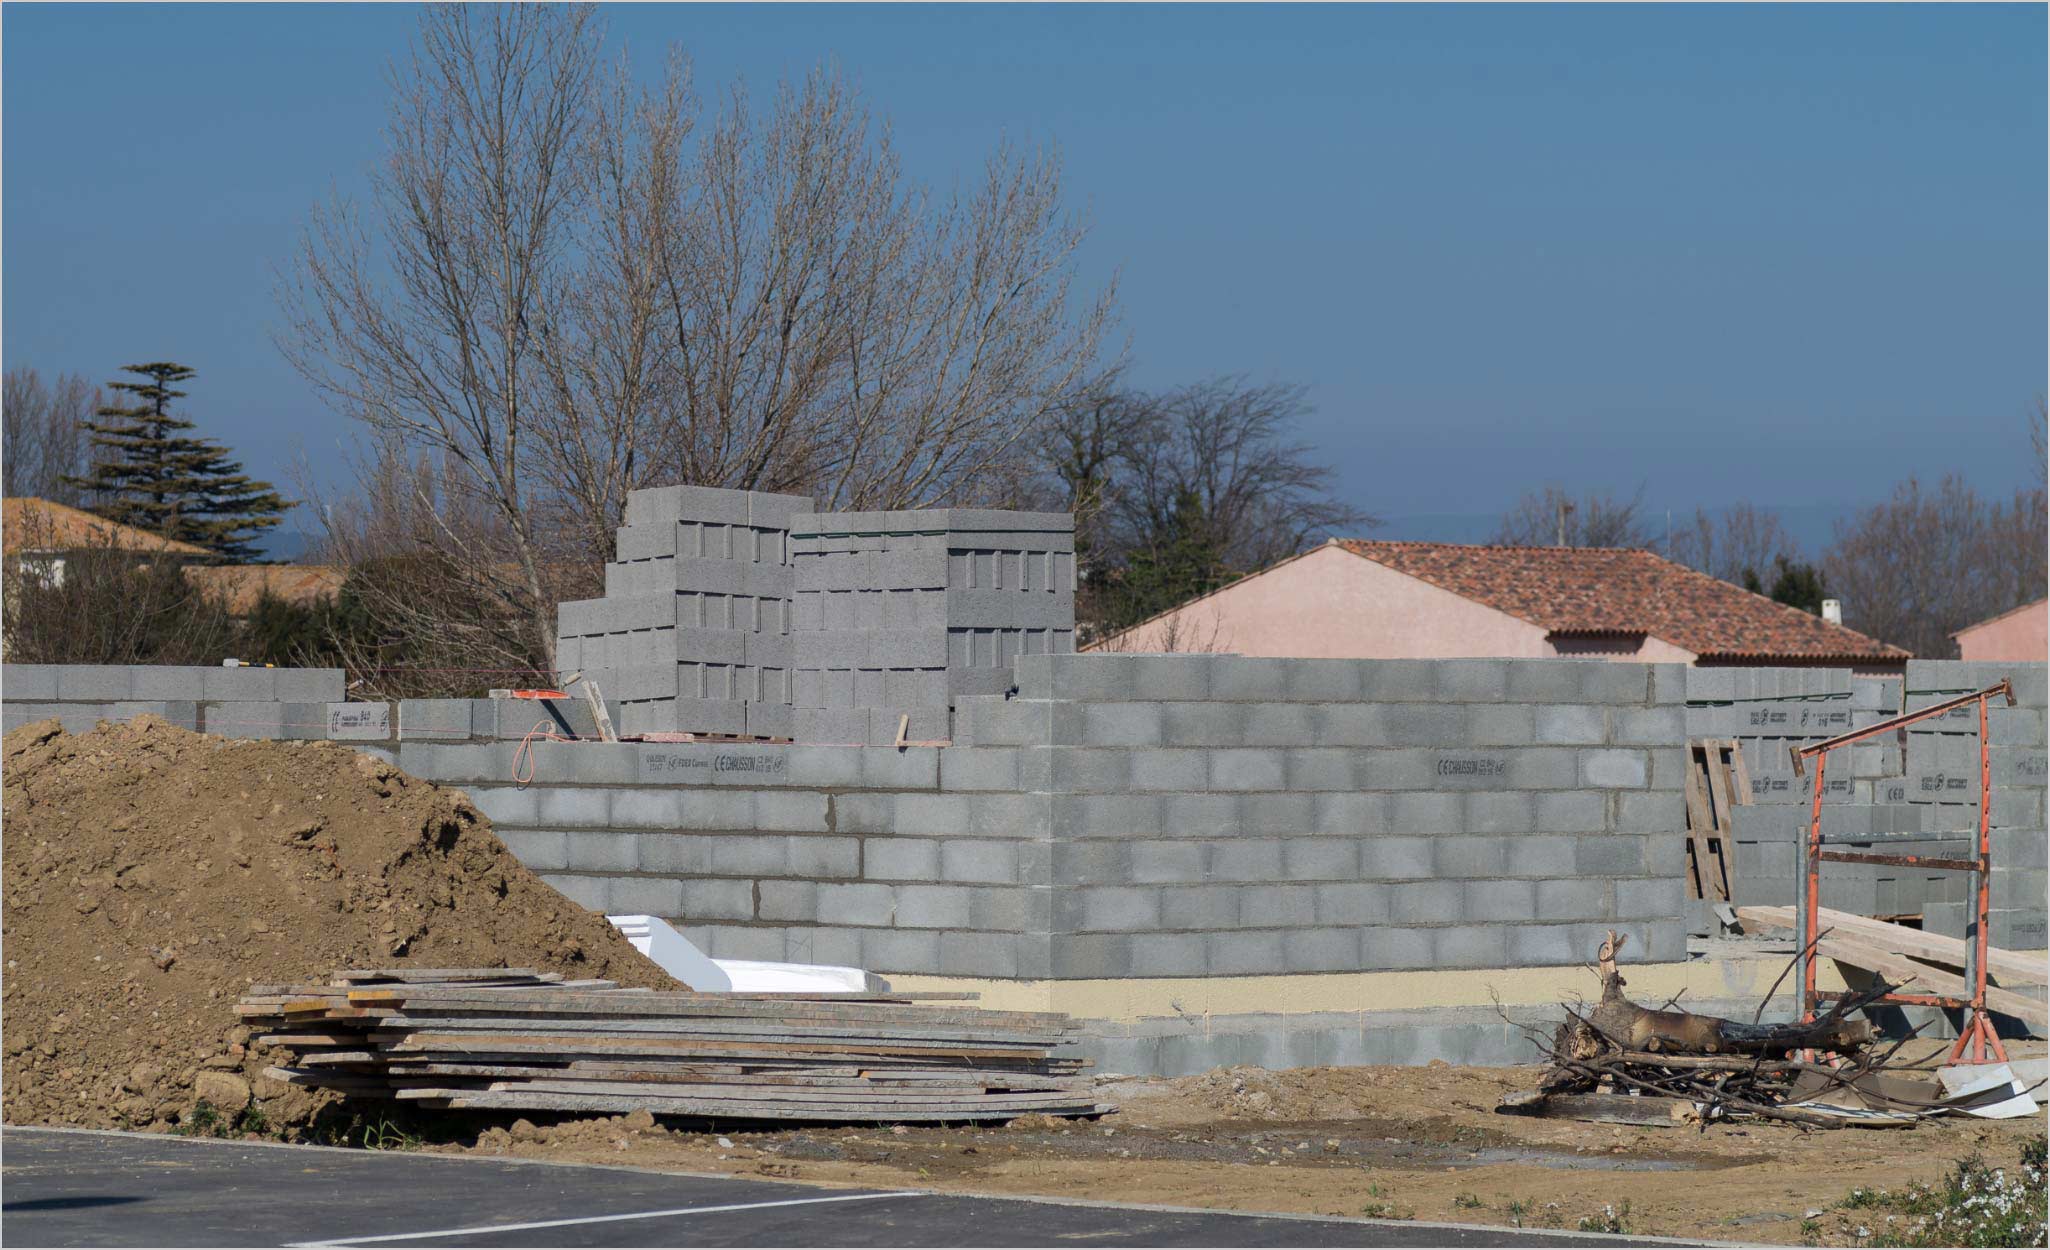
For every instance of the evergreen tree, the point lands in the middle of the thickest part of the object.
(1187, 562)
(149, 473)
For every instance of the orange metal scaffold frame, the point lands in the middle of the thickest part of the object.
(1975, 1036)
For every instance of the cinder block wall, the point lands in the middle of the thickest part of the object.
(231, 702)
(1131, 816)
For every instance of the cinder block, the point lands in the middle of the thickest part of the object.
(1572, 725)
(1248, 769)
(565, 805)
(1649, 900)
(1649, 727)
(1246, 679)
(1396, 859)
(848, 726)
(900, 859)
(1168, 955)
(1583, 899)
(1250, 859)
(932, 907)
(1320, 859)
(1247, 953)
(795, 811)
(590, 893)
(20, 682)
(1608, 856)
(600, 851)
(433, 719)
(540, 850)
(1090, 955)
(1200, 907)
(1391, 949)
(1470, 946)
(855, 904)
(1500, 813)
(1167, 862)
(1501, 901)
(1352, 903)
(1428, 902)
(1498, 725)
(1278, 906)
(1197, 815)
(912, 768)
(1355, 813)
(1615, 769)
(1321, 769)
(1572, 811)
(309, 685)
(106, 683)
(976, 860)
(653, 896)
(1277, 813)
(146, 681)
(1658, 811)
(1322, 950)
(1424, 812)
(1202, 724)
(1173, 677)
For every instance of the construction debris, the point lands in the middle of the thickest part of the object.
(510, 1039)
(1697, 1069)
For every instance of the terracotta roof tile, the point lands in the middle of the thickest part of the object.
(1624, 590)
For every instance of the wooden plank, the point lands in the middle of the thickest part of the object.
(1913, 977)
(970, 1109)
(1720, 842)
(1742, 772)
(2009, 967)
(1699, 822)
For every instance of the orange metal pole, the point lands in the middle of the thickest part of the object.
(1811, 894)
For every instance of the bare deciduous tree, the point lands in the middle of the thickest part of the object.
(1552, 518)
(1747, 539)
(45, 441)
(1927, 562)
(1177, 491)
(581, 301)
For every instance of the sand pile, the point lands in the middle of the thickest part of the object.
(152, 874)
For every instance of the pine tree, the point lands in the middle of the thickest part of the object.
(149, 473)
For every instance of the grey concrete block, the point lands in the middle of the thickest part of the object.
(1392, 949)
(1470, 946)
(795, 901)
(1500, 725)
(900, 859)
(1615, 769)
(824, 857)
(1202, 724)
(1396, 859)
(1583, 899)
(1320, 859)
(1658, 811)
(1169, 954)
(912, 768)
(1243, 679)
(1170, 770)
(855, 904)
(1323, 681)
(1090, 955)
(540, 850)
(1424, 812)
(1352, 903)
(600, 851)
(1198, 815)
(1608, 856)
(590, 893)
(1278, 724)
(932, 814)
(1649, 900)
(1106, 815)
(932, 907)
(976, 860)
(146, 681)
(1247, 953)
(1572, 724)
(1167, 862)
(1541, 856)
(979, 768)
(1200, 907)
(1356, 813)
(1500, 813)
(1115, 909)
(310, 685)
(1118, 724)
(1278, 906)
(1171, 677)
(1428, 902)
(1500, 901)
(1246, 859)
(1571, 811)
(1248, 769)
(794, 811)
(1471, 681)
(1321, 769)
(652, 896)
(435, 719)
(20, 682)
(1649, 727)
(1322, 950)
(102, 683)
(1277, 813)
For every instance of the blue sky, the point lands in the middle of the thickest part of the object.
(1786, 255)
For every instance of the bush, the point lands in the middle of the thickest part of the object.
(1976, 1205)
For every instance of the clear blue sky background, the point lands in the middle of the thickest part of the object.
(1787, 255)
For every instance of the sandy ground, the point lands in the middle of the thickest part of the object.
(1408, 1143)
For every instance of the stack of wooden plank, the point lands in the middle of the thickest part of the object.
(520, 1040)
(1920, 962)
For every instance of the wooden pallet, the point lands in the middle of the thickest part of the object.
(1716, 781)
(513, 1039)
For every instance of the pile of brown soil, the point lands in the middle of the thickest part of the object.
(152, 875)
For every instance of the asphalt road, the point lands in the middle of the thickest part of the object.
(60, 1188)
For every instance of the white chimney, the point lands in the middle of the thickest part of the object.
(1833, 611)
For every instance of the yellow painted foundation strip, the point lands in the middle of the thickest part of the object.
(1697, 980)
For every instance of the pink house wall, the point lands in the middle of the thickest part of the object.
(2021, 636)
(1332, 604)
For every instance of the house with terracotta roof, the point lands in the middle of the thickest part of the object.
(2017, 636)
(1356, 599)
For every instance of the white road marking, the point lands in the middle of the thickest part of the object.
(601, 1219)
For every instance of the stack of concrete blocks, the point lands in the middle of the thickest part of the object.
(1769, 711)
(693, 634)
(1943, 781)
(241, 702)
(899, 614)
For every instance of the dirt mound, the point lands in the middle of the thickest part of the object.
(1306, 1094)
(152, 874)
